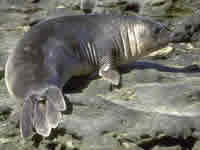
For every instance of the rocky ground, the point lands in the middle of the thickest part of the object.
(156, 109)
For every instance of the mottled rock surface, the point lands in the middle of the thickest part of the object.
(157, 107)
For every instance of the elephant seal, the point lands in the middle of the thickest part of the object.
(55, 50)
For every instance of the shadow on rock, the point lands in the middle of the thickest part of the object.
(149, 65)
(77, 84)
(169, 142)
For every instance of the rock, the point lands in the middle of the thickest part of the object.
(8, 41)
(6, 103)
(62, 12)
(107, 11)
(162, 53)
(155, 7)
(188, 29)
(112, 7)
(196, 145)
(107, 142)
(167, 148)
(4, 4)
(4, 112)
(151, 121)
(1, 72)
(100, 143)
(130, 146)
(87, 5)
(71, 3)
(16, 18)
(8, 146)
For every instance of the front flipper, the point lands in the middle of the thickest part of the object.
(110, 75)
(109, 72)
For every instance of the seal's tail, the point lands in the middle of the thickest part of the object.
(43, 115)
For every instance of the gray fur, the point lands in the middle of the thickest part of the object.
(57, 49)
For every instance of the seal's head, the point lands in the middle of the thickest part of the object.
(151, 35)
(146, 35)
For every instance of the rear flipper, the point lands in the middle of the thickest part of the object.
(53, 115)
(42, 111)
(41, 124)
(54, 95)
(26, 119)
(55, 104)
